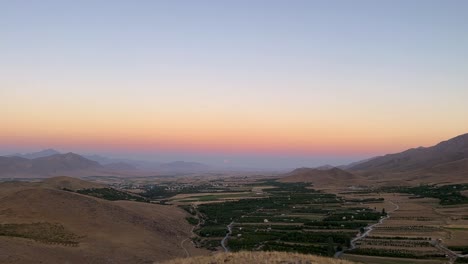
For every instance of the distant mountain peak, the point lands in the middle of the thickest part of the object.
(39, 154)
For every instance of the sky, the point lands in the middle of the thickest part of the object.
(269, 84)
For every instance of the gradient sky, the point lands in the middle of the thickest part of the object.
(248, 83)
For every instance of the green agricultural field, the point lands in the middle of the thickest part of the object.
(289, 217)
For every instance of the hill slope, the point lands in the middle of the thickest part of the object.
(66, 227)
(259, 257)
(333, 176)
(419, 158)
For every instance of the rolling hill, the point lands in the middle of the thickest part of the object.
(333, 176)
(43, 224)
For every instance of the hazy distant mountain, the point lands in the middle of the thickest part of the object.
(455, 149)
(137, 164)
(120, 166)
(324, 167)
(34, 155)
(72, 164)
(45, 166)
(332, 176)
(184, 166)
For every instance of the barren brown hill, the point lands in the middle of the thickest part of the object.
(451, 150)
(260, 258)
(42, 224)
(70, 183)
(450, 172)
(332, 176)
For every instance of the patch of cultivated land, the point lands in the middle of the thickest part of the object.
(207, 197)
(389, 260)
(289, 217)
(415, 230)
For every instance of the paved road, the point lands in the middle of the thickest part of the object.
(367, 231)
(223, 242)
(451, 254)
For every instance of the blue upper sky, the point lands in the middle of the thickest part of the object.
(378, 76)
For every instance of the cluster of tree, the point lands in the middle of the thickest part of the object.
(192, 220)
(212, 231)
(366, 200)
(399, 237)
(111, 194)
(366, 216)
(395, 243)
(284, 200)
(154, 191)
(250, 241)
(409, 228)
(447, 194)
(336, 224)
(317, 237)
(462, 249)
(461, 260)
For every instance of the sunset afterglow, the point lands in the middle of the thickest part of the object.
(296, 81)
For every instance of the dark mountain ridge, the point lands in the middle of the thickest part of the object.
(45, 166)
(419, 158)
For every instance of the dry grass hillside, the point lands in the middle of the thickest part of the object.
(333, 176)
(259, 258)
(64, 182)
(39, 223)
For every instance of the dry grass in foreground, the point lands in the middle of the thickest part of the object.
(259, 258)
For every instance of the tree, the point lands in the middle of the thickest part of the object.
(330, 247)
(383, 211)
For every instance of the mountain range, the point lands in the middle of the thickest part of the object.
(448, 158)
(34, 155)
(444, 162)
(455, 149)
(49, 162)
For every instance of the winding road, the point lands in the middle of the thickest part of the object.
(197, 214)
(367, 231)
(223, 242)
